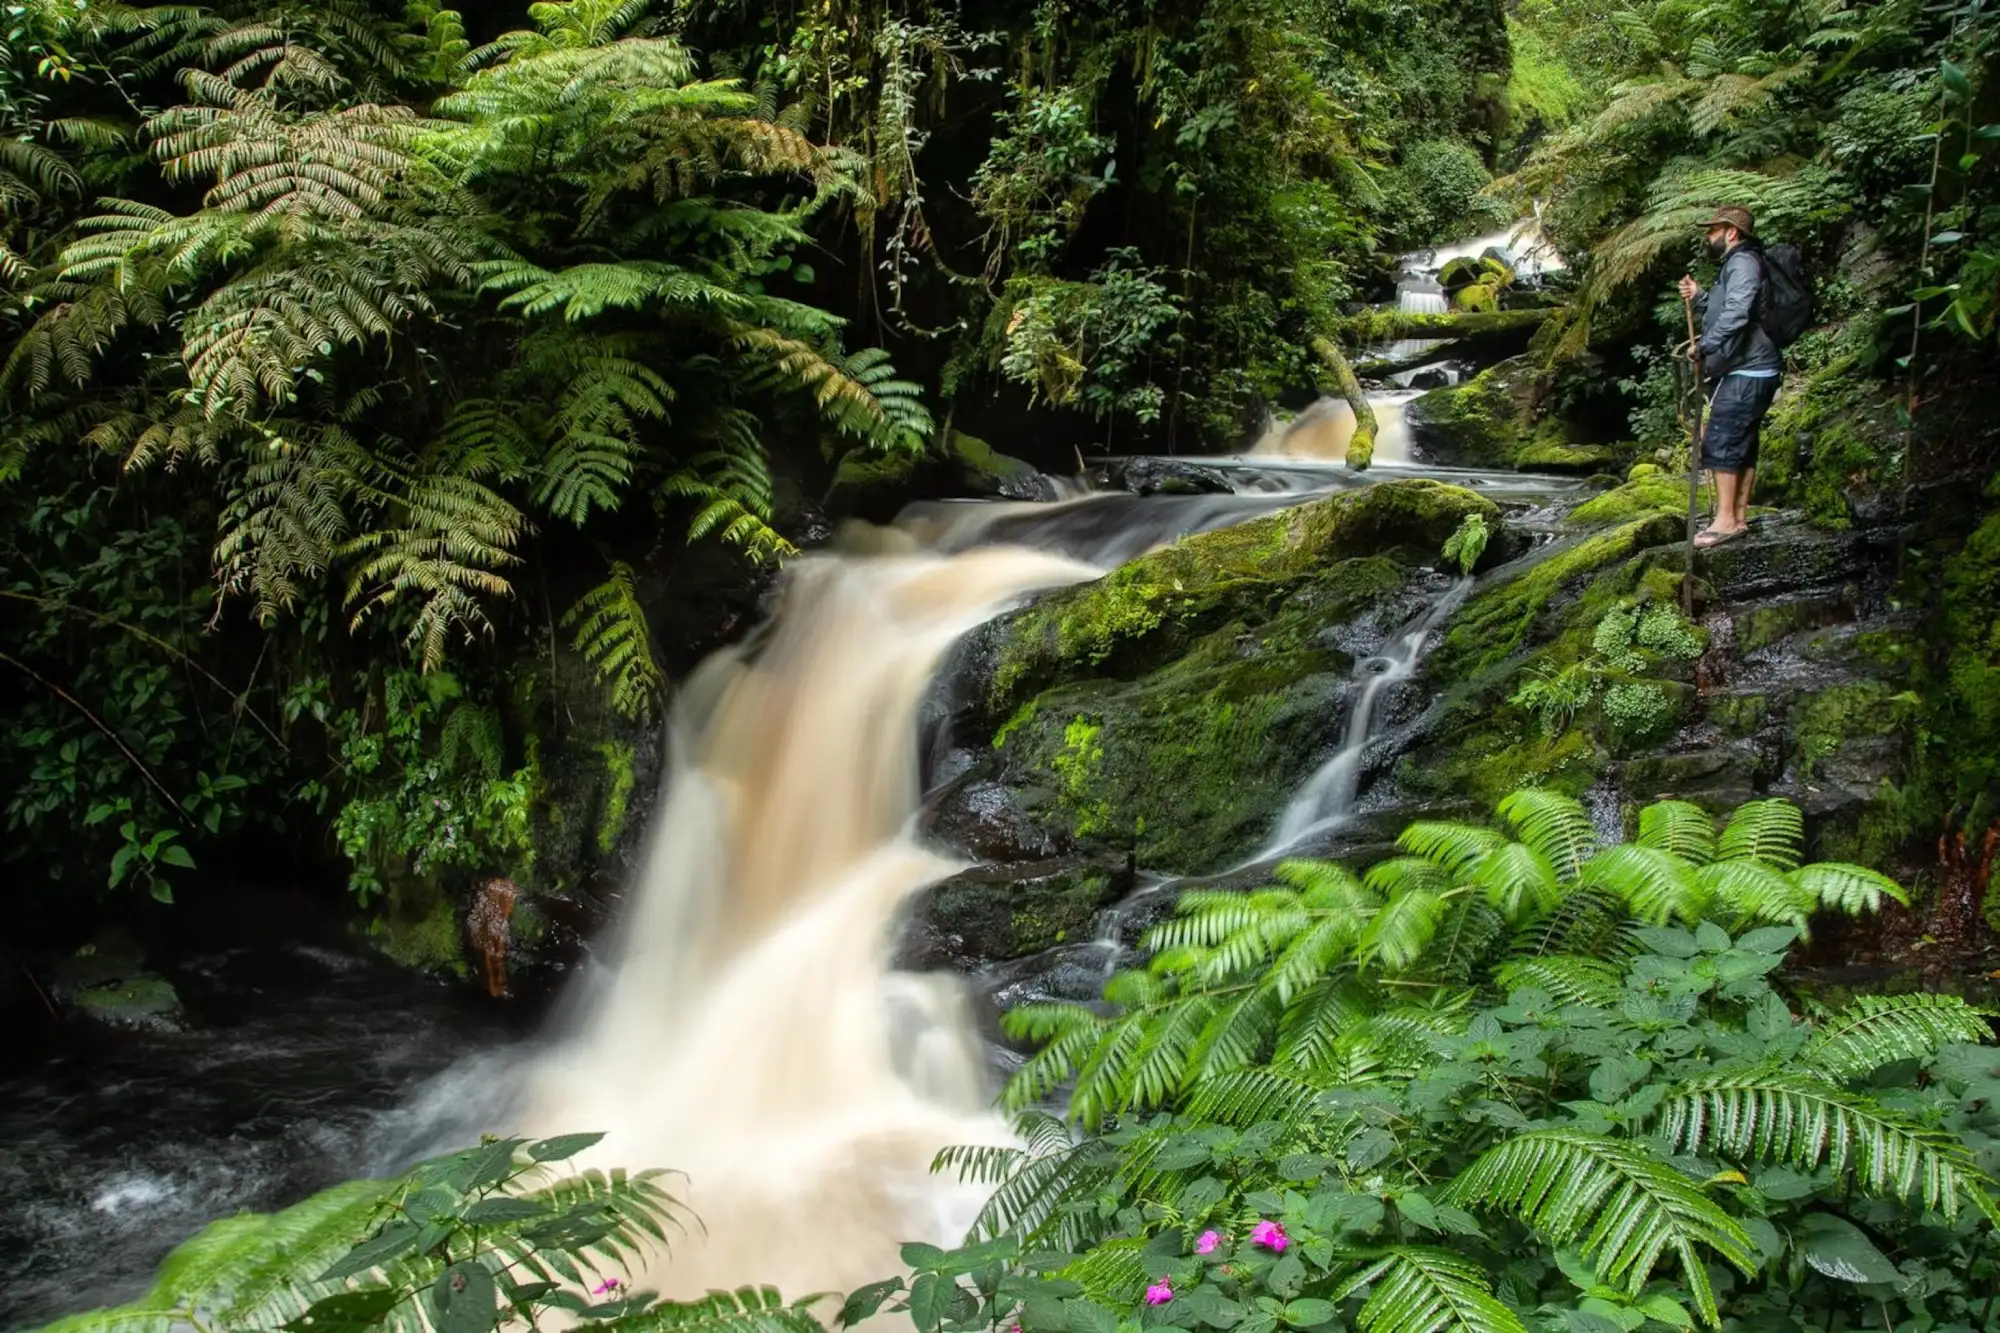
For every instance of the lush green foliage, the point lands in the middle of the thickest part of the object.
(490, 1237)
(1494, 1085)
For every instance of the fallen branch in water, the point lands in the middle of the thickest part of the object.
(1361, 446)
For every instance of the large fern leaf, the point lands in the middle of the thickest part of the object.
(1875, 1030)
(1555, 825)
(1623, 1207)
(1795, 1119)
(1420, 1289)
(613, 636)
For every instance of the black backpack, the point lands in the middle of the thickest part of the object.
(1785, 305)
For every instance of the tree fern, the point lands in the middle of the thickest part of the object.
(732, 485)
(1778, 1117)
(1420, 1289)
(1622, 1207)
(613, 636)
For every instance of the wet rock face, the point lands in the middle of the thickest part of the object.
(1167, 712)
(997, 913)
(1490, 421)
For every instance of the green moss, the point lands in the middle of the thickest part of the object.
(432, 943)
(1641, 497)
(1330, 554)
(983, 464)
(1076, 766)
(1499, 620)
(617, 793)
(1022, 716)
(1490, 762)
(142, 1000)
(1739, 714)
(1823, 722)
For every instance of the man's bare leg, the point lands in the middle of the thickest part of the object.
(1743, 497)
(1728, 511)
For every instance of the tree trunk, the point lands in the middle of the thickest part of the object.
(1361, 448)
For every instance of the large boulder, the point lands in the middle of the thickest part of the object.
(876, 486)
(1490, 421)
(1167, 711)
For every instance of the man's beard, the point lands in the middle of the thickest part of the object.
(1718, 246)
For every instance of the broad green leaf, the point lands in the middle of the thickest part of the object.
(562, 1147)
(461, 1300)
(1836, 1247)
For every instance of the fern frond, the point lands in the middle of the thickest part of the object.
(614, 637)
(1797, 1120)
(1624, 1208)
(1680, 827)
(1656, 885)
(1846, 888)
(1555, 825)
(1572, 980)
(1875, 1030)
(1419, 1289)
(1771, 831)
(1455, 847)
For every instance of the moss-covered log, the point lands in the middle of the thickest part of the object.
(1388, 325)
(1361, 445)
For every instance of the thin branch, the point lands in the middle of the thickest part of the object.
(102, 726)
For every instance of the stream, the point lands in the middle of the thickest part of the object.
(744, 1016)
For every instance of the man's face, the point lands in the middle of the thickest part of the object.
(1719, 238)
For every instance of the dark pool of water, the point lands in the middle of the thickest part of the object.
(310, 1066)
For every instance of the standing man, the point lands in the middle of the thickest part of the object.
(1740, 366)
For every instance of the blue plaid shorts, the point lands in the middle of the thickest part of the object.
(1736, 411)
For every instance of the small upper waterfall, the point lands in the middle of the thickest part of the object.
(1323, 430)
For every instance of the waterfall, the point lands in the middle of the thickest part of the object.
(1323, 430)
(1416, 301)
(1327, 798)
(749, 1030)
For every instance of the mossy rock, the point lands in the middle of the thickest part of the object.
(996, 913)
(1640, 497)
(432, 942)
(1322, 561)
(876, 486)
(142, 1002)
(985, 471)
(1490, 422)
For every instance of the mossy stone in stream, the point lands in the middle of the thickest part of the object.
(1169, 710)
(1490, 422)
(432, 942)
(1144, 613)
(142, 1002)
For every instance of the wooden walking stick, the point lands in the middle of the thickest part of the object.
(1697, 438)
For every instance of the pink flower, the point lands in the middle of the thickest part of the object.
(1159, 1293)
(1271, 1236)
(609, 1284)
(1209, 1240)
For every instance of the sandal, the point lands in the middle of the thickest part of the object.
(1710, 538)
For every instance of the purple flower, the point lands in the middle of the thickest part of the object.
(1209, 1240)
(609, 1284)
(1159, 1293)
(1271, 1236)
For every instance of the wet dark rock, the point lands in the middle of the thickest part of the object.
(1167, 476)
(1782, 555)
(987, 819)
(995, 913)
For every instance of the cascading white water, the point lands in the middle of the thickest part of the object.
(1327, 798)
(1417, 301)
(1323, 430)
(749, 1030)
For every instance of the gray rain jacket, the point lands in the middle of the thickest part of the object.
(1731, 338)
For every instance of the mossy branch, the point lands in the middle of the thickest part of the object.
(1361, 447)
(1389, 325)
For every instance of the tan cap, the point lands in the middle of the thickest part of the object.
(1731, 216)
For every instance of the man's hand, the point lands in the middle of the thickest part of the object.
(1689, 288)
